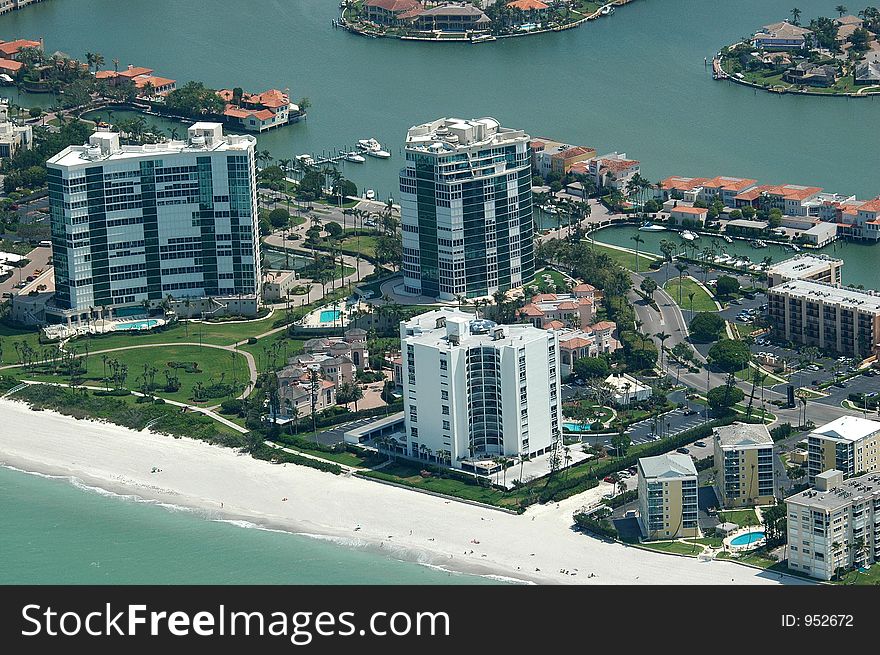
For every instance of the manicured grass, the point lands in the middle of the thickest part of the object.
(366, 245)
(212, 363)
(676, 547)
(702, 301)
(714, 542)
(558, 283)
(742, 517)
(626, 259)
(344, 458)
(871, 577)
(278, 343)
(407, 474)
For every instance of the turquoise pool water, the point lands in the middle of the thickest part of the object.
(575, 427)
(138, 325)
(329, 315)
(747, 539)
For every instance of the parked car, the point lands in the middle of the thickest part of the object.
(633, 469)
(689, 412)
(610, 479)
(683, 451)
(840, 384)
(700, 444)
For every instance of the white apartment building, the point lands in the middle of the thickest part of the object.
(139, 223)
(835, 525)
(473, 390)
(813, 313)
(466, 209)
(849, 444)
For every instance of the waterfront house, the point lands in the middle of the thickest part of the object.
(724, 188)
(10, 66)
(681, 213)
(681, 188)
(391, 12)
(12, 49)
(790, 199)
(452, 17)
(555, 157)
(613, 171)
(782, 36)
(142, 78)
(13, 137)
(256, 112)
(867, 72)
(528, 11)
(810, 74)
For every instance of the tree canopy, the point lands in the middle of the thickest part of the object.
(729, 355)
(706, 326)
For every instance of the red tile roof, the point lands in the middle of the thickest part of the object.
(134, 71)
(583, 287)
(617, 165)
(10, 65)
(554, 325)
(871, 206)
(141, 82)
(689, 210)
(392, 5)
(683, 183)
(576, 342)
(527, 5)
(14, 47)
(603, 325)
(531, 310)
(730, 183)
(567, 306)
(105, 75)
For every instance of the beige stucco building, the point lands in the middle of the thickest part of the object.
(805, 266)
(744, 465)
(668, 497)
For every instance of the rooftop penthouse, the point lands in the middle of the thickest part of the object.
(446, 329)
(451, 134)
(104, 146)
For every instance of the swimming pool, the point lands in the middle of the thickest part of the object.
(138, 325)
(576, 427)
(329, 315)
(747, 539)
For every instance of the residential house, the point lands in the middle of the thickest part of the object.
(810, 74)
(591, 341)
(142, 78)
(790, 199)
(613, 171)
(681, 188)
(452, 17)
(13, 137)
(724, 188)
(867, 72)
(12, 49)
(571, 309)
(256, 112)
(681, 213)
(782, 36)
(627, 389)
(555, 157)
(391, 12)
(277, 285)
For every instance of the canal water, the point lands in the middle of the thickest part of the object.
(859, 258)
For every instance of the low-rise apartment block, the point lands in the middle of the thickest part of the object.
(834, 526)
(744, 464)
(849, 444)
(668, 507)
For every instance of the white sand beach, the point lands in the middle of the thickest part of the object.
(535, 546)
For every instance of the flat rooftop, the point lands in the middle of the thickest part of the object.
(804, 265)
(743, 435)
(433, 328)
(669, 466)
(829, 294)
(847, 428)
(853, 490)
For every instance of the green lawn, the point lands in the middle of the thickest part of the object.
(714, 542)
(344, 458)
(703, 302)
(676, 547)
(742, 517)
(871, 577)
(213, 365)
(559, 282)
(626, 259)
(278, 343)
(366, 245)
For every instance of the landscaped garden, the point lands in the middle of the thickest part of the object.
(681, 294)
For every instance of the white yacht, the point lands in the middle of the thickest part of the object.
(687, 235)
(607, 10)
(651, 227)
(373, 148)
(354, 157)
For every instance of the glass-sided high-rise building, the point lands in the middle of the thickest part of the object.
(134, 224)
(466, 209)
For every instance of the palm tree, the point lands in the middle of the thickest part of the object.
(840, 9)
(682, 268)
(691, 298)
(638, 240)
(98, 61)
(796, 16)
(662, 336)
